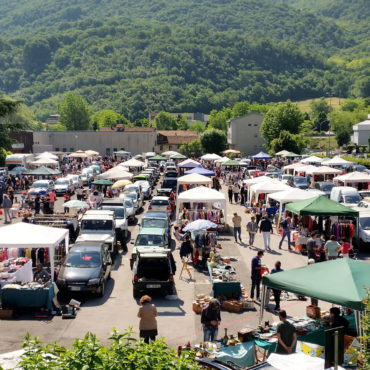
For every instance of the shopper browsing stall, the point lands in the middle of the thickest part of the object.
(211, 319)
(256, 274)
(286, 334)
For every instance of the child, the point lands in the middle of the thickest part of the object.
(346, 247)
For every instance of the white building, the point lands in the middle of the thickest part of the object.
(361, 132)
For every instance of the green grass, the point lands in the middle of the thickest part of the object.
(304, 105)
(323, 142)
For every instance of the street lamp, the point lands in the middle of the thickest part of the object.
(76, 143)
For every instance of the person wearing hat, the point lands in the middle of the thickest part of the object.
(211, 319)
(25, 218)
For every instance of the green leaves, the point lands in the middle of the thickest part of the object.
(213, 141)
(74, 113)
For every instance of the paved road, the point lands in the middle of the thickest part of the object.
(176, 322)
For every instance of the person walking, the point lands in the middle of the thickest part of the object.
(211, 320)
(266, 230)
(252, 228)
(237, 222)
(236, 191)
(242, 195)
(79, 192)
(230, 194)
(7, 205)
(148, 323)
(286, 226)
(311, 246)
(258, 211)
(286, 334)
(277, 292)
(256, 275)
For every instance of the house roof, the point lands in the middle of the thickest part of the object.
(177, 137)
(120, 127)
(178, 133)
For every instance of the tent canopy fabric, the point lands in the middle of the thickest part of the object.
(222, 160)
(282, 152)
(210, 157)
(344, 282)
(257, 180)
(194, 179)
(188, 163)
(121, 153)
(273, 186)
(169, 153)
(291, 195)
(116, 173)
(157, 158)
(178, 156)
(46, 155)
(43, 171)
(293, 166)
(312, 159)
(262, 155)
(44, 161)
(324, 170)
(305, 168)
(23, 235)
(91, 153)
(320, 206)
(337, 161)
(291, 155)
(200, 171)
(230, 162)
(132, 163)
(231, 151)
(353, 177)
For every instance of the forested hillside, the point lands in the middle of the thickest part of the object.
(151, 55)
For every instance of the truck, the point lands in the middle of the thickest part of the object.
(23, 160)
(345, 195)
(99, 226)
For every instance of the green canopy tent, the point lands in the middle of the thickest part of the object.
(43, 171)
(102, 182)
(157, 158)
(178, 156)
(320, 206)
(230, 162)
(340, 281)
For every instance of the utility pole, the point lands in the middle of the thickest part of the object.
(330, 96)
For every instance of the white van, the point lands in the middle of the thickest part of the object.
(345, 195)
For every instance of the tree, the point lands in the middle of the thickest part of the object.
(213, 141)
(143, 122)
(197, 126)
(343, 137)
(192, 149)
(74, 113)
(36, 54)
(218, 120)
(319, 109)
(108, 118)
(57, 127)
(181, 122)
(241, 108)
(3, 155)
(283, 116)
(165, 121)
(349, 105)
(288, 141)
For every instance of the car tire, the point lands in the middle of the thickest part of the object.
(102, 290)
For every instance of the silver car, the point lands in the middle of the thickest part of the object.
(130, 208)
(160, 203)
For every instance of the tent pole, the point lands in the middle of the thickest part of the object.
(264, 291)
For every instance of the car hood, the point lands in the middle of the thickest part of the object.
(61, 186)
(90, 235)
(79, 273)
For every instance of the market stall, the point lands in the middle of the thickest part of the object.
(338, 161)
(192, 180)
(353, 178)
(290, 169)
(324, 172)
(269, 187)
(282, 152)
(132, 163)
(116, 173)
(44, 162)
(19, 270)
(301, 171)
(262, 156)
(202, 199)
(210, 157)
(200, 171)
(313, 159)
(46, 155)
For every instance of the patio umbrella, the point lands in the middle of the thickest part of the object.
(231, 151)
(157, 158)
(199, 225)
(75, 204)
(178, 156)
(102, 182)
(91, 152)
(121, 184)
(230, 163)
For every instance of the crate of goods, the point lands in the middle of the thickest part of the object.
(197, 307)
(245, 335)
(6, 314)
(313, 312)
(234, 306)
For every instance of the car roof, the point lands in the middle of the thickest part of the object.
(101, 217)
(98, 212)
(116, 201)
(142, 182)
(155, 214)
(151, 231)
(87, 246)
(156, 197)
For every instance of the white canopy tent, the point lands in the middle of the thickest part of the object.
(210, 157)
(187, 161)
(204, 195)
(324, 170)
(312, 159)
(116, 173)
(257, 180)
(46, 155)
(282, 152)
(91, 153)
(44, 162)
(132, 163)
(291, 167)
(23, 235)
(222, 160)
(304, 169)
(273, 186)
(193, 179)
(352, 177)
(338, 161)
(290, 195)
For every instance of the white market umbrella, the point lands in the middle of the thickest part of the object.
(199, 225)
(46, 155)
(75, 204)
(132, 163)
(44, 162)
(210, 157)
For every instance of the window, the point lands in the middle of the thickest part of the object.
(57, 149)
(249, 124)
(122, 148)
(255, 147)
(261, 146)
(71, 149)
(107, 151)
(229, 124)
(256, 124)
(161, 147)
(170, 147)
(115, 150)
(64, 149)
(255, 135)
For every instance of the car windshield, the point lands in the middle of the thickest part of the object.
(360, 168)
(149, 240)
(327, 187)
(62, 182)
(128, 203)
(118, 211)
(97, 225)
(365, 223)
(300, 180)
(170, 184)
(159, 202)
(82, 259)
(150, 222)
(131, 195)
(352, 198)
(286, 177)
(40, 185)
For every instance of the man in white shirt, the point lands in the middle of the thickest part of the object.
(236, 191)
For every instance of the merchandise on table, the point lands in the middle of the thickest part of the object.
(15, 269)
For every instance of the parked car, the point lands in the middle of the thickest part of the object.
(345, 195)
(285, 178)
(153, 271)
(130, 208)
(96, 168)
(41, 187)
(298, 182)
(138, 202)
(77, 181)
(158, 220)
(171, 174)
(120, 214)
(63, 186)
(86, 268)
(85, 178)
(160, 203)
(91, 173)
(364, 194)
(146, 188)
(325, 187)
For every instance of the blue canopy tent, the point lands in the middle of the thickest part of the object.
(189, 165)
(200, 171)
(262, 155)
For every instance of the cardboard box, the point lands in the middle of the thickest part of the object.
(351, 348)
(6, 314)
(234, 306)
(313, 312)
(197, 307)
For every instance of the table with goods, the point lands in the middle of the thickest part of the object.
(15, 269)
